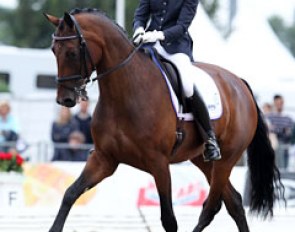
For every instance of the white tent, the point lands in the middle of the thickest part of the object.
(254, 43)
(209, 46)
(253, 51)
(258, 55)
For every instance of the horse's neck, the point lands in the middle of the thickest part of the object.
(115, 51)
(135, 92)
(135, 79)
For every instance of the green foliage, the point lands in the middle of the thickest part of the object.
(3, 86)
(211, 7)
(26, 26)
(279, 27)
(130, 9)
(291, 39)
(285, 33)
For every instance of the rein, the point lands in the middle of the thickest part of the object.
(84, 51)
(123, 63)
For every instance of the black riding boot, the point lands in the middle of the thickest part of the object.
(201, 115)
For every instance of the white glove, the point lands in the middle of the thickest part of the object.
(153, 36)
(138, 34)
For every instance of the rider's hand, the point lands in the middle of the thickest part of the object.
(138, 34)
(153, 36)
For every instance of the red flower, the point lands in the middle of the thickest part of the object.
(11, 162)
(8, 156)
(2, 154)
(5, 156)
(19, 160)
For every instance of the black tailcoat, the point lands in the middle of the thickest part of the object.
(173, 17)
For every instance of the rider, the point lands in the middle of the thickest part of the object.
(167, 23)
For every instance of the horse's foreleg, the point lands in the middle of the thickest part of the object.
(160, 171)
(97, 168)
(233, 203)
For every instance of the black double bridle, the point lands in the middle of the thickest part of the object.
(84, 54)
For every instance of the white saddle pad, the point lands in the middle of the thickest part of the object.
(208, 90)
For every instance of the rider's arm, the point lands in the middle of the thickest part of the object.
(185, 18)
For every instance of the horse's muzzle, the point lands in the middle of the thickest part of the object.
(67, 102)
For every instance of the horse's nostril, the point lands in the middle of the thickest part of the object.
(68, 102)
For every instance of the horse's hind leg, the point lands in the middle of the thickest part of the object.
(233, 203)
(97, 168)
(206, 215)
(217, 177)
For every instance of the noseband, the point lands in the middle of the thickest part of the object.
(84, 53)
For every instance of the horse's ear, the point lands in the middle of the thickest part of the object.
(54, 20)
(68, 20)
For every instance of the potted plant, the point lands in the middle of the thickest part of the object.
(11, 179)
(11, 162)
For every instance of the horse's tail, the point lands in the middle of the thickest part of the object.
(266, 185)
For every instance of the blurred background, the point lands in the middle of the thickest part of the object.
(253, 39)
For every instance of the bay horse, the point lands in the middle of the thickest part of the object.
(134, 122)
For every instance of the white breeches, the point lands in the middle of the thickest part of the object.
(184, 65)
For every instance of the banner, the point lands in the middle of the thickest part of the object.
(43, 185)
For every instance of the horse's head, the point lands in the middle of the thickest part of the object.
(74, 61)
(85, 40)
